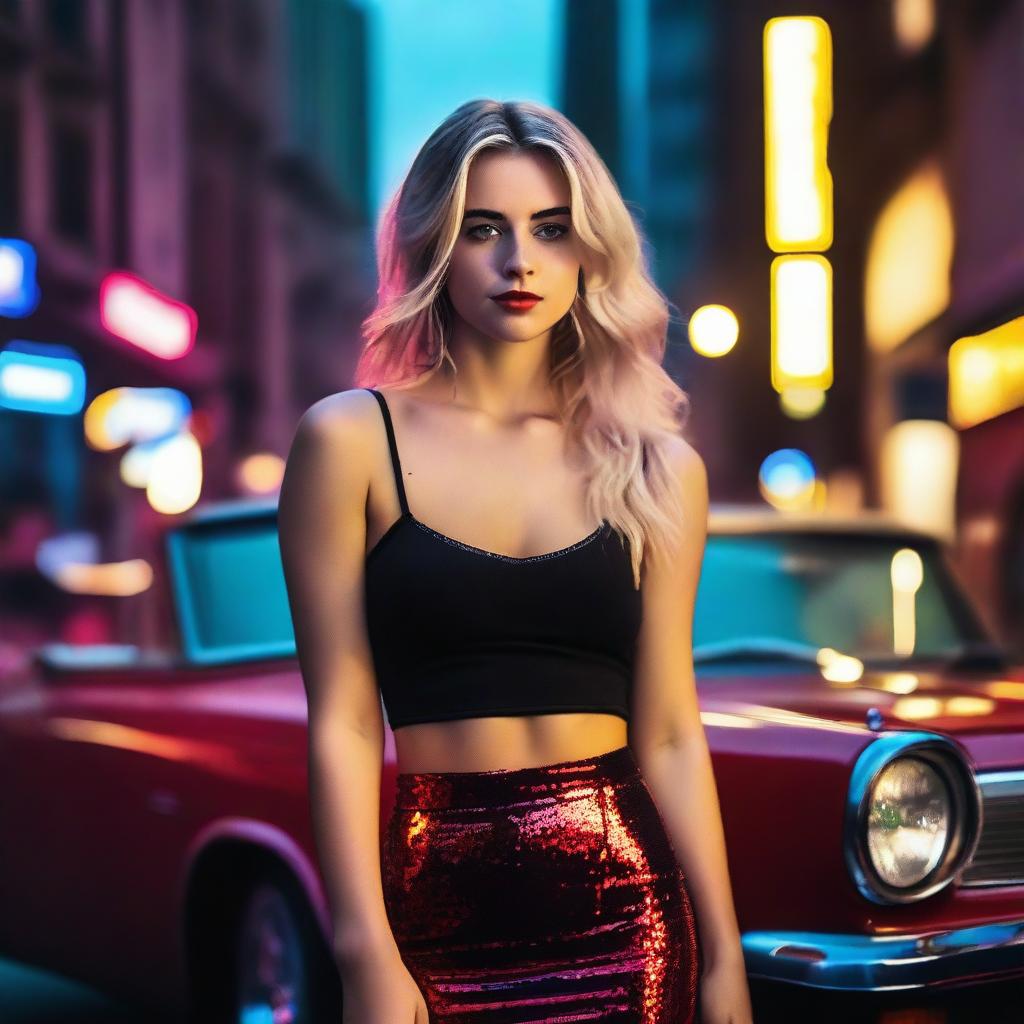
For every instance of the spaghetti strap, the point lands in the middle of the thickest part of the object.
(395, 464)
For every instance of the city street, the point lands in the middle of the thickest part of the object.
(328, 332)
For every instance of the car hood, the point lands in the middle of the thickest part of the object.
(958, 702)
(985, 710)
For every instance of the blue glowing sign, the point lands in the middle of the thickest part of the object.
(19, 292)
(37, 377)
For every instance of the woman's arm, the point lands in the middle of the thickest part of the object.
(322, 533)
(665, 729)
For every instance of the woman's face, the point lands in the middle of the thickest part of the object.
(516, 235)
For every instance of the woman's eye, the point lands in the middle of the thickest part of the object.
(559, 230)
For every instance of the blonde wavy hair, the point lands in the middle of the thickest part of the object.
(616, 400)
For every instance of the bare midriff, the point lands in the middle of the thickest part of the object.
(507, 742)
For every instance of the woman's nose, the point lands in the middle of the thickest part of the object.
(518, 262)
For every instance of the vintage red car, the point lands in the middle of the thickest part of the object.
(867, 740)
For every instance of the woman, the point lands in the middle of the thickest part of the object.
(556, 809)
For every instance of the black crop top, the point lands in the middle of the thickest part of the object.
(460, 632)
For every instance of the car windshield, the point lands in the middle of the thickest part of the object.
(229, 590)
(878, 598)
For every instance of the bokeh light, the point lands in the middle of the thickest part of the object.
(918, 463)
(113, 579)
(907, 575)
(787, 479)
(797, 111)
(986, 374)
(713, 330)
(913, 23)
(839, 668)
(175, 474)
(260, 473)
(801, 322)
(802, 403)
(910, 255)
(122, 415)
(138, 313)
(19, 292)
(40, 377)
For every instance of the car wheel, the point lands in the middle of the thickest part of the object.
(265, 961)
(271, 961)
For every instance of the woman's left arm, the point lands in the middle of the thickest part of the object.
(667, 738)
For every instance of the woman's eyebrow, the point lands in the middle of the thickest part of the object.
(495, 215)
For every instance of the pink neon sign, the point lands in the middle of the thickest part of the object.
(136, 312)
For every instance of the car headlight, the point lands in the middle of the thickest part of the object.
(908, 823)
(913, 816)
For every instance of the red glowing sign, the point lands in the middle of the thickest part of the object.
(145, 317)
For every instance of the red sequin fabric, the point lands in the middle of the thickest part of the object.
(546, 894)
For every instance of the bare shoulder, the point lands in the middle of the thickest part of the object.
(329, 467)
(344, 420)
(690, 476)
(688, 467)
(322, 535)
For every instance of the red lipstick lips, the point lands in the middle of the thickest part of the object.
(517, 301)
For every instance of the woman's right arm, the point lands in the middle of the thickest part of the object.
(322, 537)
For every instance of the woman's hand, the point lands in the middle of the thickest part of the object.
(724, 995)
(377, 988)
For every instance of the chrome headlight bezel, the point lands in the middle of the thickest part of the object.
(949, 761)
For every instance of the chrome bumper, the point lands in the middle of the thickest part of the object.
(872, 963)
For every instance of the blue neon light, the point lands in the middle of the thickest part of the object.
(787, 471)
(19, 292)
(38, 377)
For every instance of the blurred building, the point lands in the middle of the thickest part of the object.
(650, 117)
(925, 416)
(218, 151)
(946, 338)
(926, 152)
(679, 119)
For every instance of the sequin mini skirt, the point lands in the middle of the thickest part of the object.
(546, 894)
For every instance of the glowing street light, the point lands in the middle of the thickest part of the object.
(713, 330)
